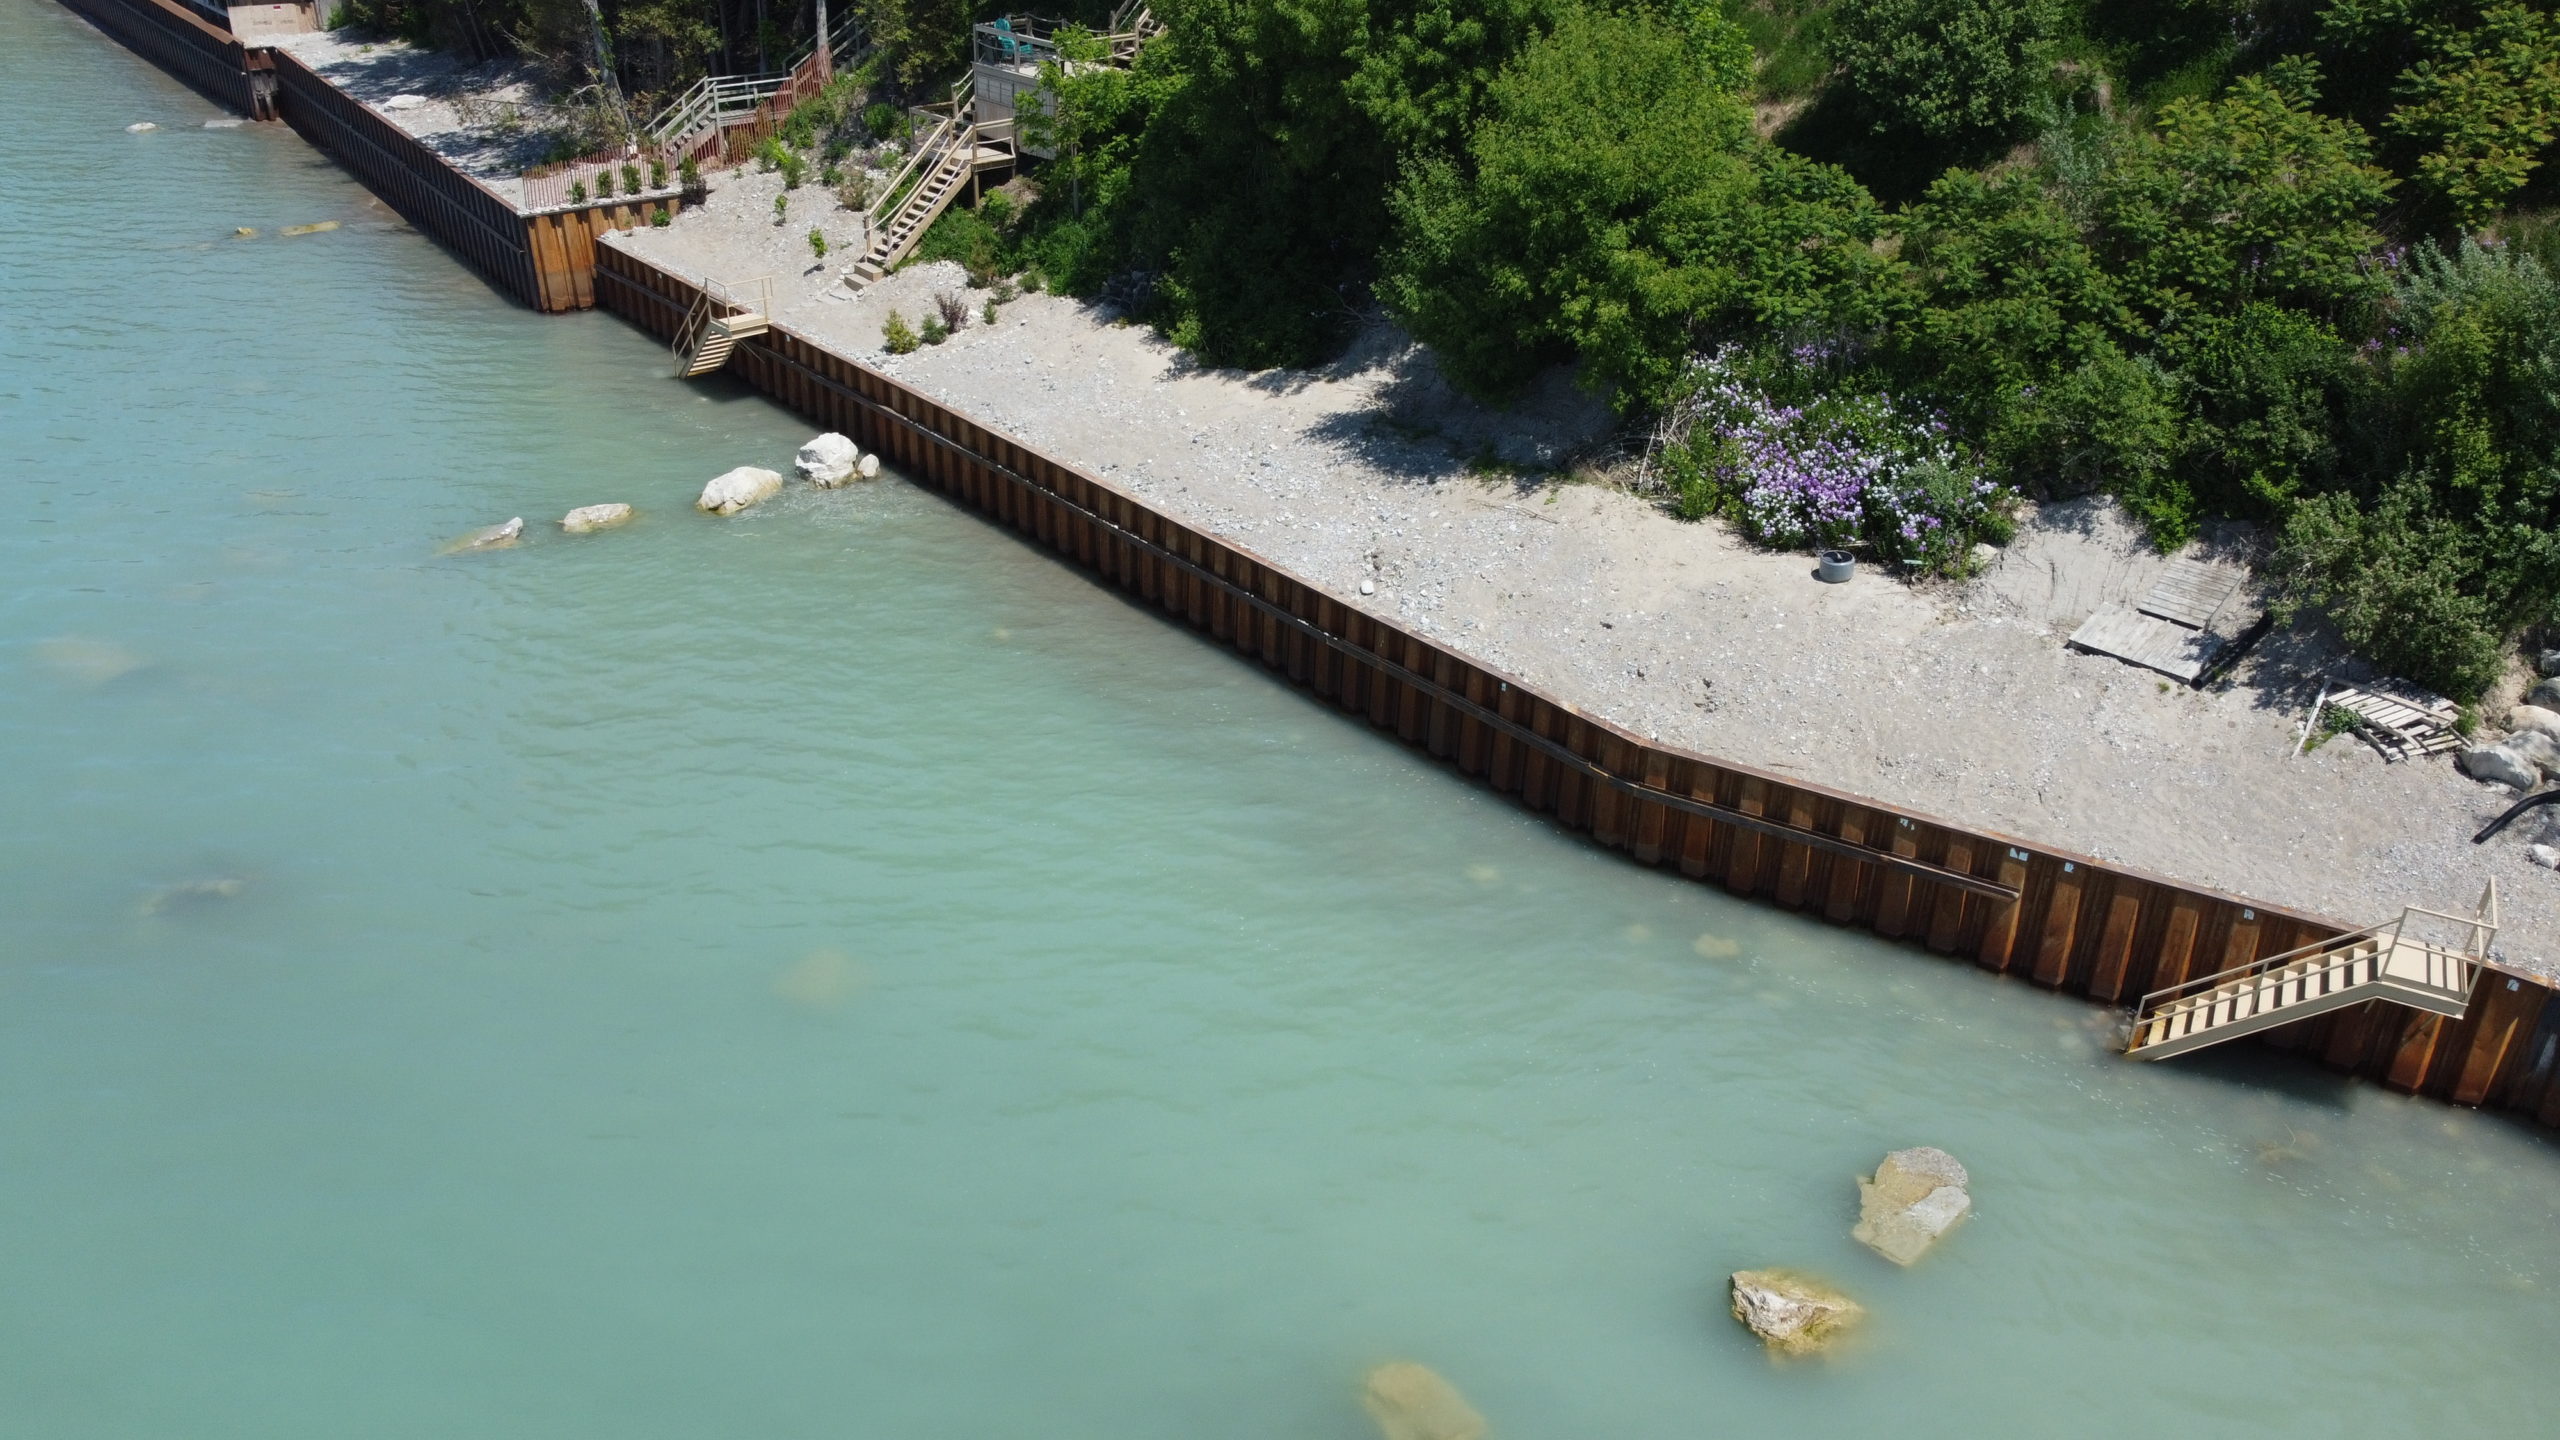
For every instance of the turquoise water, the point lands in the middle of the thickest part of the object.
(837, 973)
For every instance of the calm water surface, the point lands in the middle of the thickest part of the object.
(837, 973)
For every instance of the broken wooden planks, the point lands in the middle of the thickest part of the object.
(2193, 592)
(2128, 635)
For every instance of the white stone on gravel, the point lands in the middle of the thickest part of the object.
(2497, 765)
(828, 461)
(403, 102)
(735, 490)
(587, 519)
(2544, 856)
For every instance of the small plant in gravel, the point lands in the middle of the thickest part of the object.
(689, 175)
(577, 192)
(895, 337)
(831, 176)
(1003, 294)
(952, 309)
(817, 243)
(1034, 281)
(770, 155)
(857, 191)
(660, 218)
(881, 120)
(988, 315)
(935, 331)
(781, 208)
(794, 170)
(630, 179)
(657, 174)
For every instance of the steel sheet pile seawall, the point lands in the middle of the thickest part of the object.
(2063, 921)
(185, 44)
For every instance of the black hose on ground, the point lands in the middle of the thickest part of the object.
(2545, 797)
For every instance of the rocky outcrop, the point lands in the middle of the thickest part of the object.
(735, 490)
(494, 537)
(2535, 749)
(1792, 1313)
(1412, 1402)
(588, 518)
(1915, 1197)
(828, 461)
(2497, 765)
(2534, 717)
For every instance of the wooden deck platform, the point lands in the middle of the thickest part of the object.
(2154, 644)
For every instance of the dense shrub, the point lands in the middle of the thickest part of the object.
(1945, 68)
(895, 336)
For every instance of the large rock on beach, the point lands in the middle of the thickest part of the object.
(2496, 765)
(735, 490)
(1915, 1196)
(1792, 1313)
(588, 518)
(828, 461)
(2535, 749)
(2535, 717)
(1412, 1402)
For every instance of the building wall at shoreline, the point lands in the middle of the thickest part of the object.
(2059, 920)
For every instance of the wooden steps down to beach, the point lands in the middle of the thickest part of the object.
(2383, 962)
(722, 316)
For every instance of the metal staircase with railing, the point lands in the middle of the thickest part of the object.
(2390, 961)
(722, 315)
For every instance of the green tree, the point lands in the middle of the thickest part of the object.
(1946, 68)
(2429, 568)
(2254, 196)
(2488, 101)
(2265, 391)
(1614, 201)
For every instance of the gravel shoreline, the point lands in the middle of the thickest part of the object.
(1956, 699)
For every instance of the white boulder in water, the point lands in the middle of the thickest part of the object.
(828, 461)
(1915, 1196)
(494, 537)
(1412, 1402)
(869, 469)
(140, 127)
(735, 490)
(595, 517)
(1792, 1313)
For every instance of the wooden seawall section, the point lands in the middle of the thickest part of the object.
(2060, 920)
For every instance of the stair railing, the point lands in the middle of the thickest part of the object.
(719, 299)
(2479, 928)
(878, 219)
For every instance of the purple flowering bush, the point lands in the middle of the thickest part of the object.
(1844, 467)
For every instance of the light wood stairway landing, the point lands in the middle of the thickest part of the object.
(2383, 962)
(722, 315)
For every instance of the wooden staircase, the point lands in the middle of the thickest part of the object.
(957, 151)
(722, 315)
(2389, 961)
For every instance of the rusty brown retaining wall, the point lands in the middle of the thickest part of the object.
(185, 44)
(2060, 920)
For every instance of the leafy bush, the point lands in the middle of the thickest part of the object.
(1615, 201)
(817, 243)
(770, 154)
(895, 337)
(988, 315)
(2488, 99)
(689, 174)
(630, 179)
(658, 174)
(577, 192)
(936, 330)
(882, 120)
(1845, 466)
(2432, 567)
(781, 208)
(952, 308)
(1945, 68)
(794, 170)
(604, 183)
(661, 218)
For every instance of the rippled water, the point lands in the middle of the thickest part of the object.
(837, 973)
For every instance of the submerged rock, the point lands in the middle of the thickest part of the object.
(828, 461)
(317, 227)
(1412, 1402)
(494, 537)
(595, 517)
(1915, 1196)
(735, 490)
(2496, 765)
(88, 663)
(228, 122)
(192, 892)
(140, 127)
(1793, 1313)
(869, 469)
